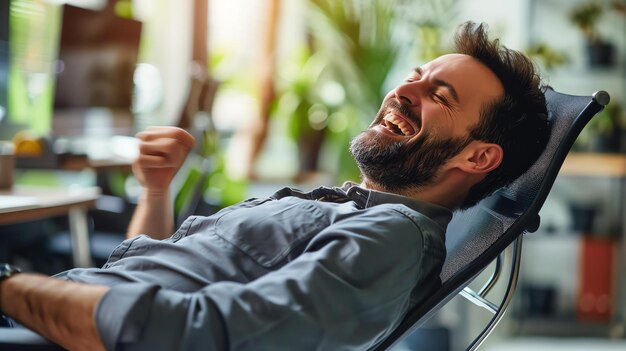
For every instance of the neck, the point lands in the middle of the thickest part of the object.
(448, 190)
(428, 194)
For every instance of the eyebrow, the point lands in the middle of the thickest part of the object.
(443, 83)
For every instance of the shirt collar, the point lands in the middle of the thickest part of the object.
(367, 198)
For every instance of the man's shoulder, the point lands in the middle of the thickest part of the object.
(401, 218)
(404, 215)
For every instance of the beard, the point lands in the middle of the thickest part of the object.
(399, 165)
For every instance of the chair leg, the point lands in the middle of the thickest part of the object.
(508, 296)
(494, 277)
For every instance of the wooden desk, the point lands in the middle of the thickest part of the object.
(21, 204)
(112, 163)
(76, 163)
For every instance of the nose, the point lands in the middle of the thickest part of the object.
(408, 93)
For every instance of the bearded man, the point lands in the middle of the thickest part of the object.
(334, 268)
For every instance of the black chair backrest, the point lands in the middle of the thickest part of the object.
(476, 236)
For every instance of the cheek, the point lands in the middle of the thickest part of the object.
(440, 122)
(435, 120)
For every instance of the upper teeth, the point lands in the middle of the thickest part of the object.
(404, 127)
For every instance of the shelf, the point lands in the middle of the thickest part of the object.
(556, 344)
(559, 327)
(594, 165)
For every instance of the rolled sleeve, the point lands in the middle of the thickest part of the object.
(145, 317)
(124, 302)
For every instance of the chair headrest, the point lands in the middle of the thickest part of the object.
(474, 231)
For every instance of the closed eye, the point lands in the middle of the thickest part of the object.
(444, 101)
(441, 99)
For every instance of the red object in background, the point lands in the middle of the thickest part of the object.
(596, 292)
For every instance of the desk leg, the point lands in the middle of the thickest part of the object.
(79, 230)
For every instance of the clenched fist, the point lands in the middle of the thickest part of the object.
(162, 151)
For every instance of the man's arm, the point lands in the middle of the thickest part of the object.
(353, 281)
(153, 216)
(59, 310)
(162, 151)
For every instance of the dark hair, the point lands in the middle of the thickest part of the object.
(518, 121)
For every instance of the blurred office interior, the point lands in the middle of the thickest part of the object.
(274, 90)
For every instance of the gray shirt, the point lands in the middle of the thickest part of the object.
(333, 269)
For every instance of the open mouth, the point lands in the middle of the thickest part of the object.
(398, 125)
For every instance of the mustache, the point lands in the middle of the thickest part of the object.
(403, 108)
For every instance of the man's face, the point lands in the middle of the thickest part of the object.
(425, 121)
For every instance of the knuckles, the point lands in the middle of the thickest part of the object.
(168, 132)
(163, 147)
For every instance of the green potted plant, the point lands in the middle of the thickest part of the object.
(600, 52)
(333, 86)
(547, 56)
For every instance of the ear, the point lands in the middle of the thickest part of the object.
(481, 158)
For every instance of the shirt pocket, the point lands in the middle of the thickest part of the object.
(273, 232)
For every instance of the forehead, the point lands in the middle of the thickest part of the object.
(474, 82)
